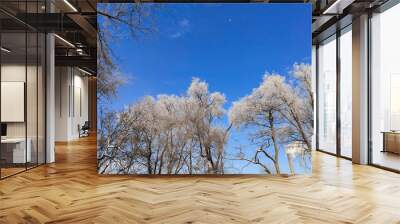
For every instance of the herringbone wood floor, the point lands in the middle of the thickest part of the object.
(70, 191)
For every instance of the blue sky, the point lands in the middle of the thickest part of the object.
(230, 46)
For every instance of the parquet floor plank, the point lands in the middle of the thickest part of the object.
(71, 191)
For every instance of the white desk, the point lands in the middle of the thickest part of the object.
(19, 153)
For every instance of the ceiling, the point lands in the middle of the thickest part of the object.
(75, 23)
(76, 28)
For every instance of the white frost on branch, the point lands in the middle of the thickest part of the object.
(182, 134)
(171, 134)
(279, 113)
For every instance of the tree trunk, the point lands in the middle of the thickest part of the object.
(274, 140)
(190, 162)
(161, 161)
(149, 169)
(301, 130)
(290, 162)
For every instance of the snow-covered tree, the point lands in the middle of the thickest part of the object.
(204, 110)
(184, 134)
(261, 110)
(279, 112)
(168, 134)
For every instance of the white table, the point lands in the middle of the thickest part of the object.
(19, 153)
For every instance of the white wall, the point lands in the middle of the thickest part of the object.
(33, 126)
(10, 73)
(17, 73)
(71, 94)
(80, 109)
(62, 81)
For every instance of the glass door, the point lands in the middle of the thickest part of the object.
(14, 156)
(22, 77)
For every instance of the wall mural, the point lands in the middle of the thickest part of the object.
(206, 89)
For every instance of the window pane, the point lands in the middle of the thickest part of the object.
(14, 153)
(385, 85)
(41, 99)
(327, 95)
(346, 92)
(31, 98)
